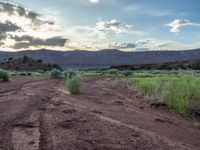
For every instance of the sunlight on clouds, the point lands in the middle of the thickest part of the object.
(177, 24)
(94, 1)
(21, 28)
(115, 26)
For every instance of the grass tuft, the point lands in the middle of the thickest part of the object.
(74, 84)
(4, 75)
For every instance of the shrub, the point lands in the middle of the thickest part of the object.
(56, 74)
(57, 66)
(127, 73)
(74, 85)
(4, 75)
(23, 74)
(113, 71)
(69, 74)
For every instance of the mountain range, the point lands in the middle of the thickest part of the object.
(82, 59)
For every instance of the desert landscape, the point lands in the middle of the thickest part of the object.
(109, 112)
(99, 75)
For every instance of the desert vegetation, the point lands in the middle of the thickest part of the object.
(56, 74)
(103, 99)
(180, 93)
(74, 84)
(4, 76)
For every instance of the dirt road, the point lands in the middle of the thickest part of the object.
(39, 114)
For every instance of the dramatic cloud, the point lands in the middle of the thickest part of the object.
(177, 24)
(2, 36)
(8, 9)
(116, 26)
(21, 28)
(28, 41)
(118, 45)
(8, 27)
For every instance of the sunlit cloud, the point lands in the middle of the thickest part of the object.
(177, 24)
(115, 26)
(94, 1)
(54, 27)
(22, 28)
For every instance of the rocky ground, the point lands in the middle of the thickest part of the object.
(39, 114)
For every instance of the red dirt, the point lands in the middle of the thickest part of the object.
(38, 113)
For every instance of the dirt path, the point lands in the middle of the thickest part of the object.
(39, 114)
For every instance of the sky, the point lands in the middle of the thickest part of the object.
(128, 25)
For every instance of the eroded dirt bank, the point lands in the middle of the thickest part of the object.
(39, 114)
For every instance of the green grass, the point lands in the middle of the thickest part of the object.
(179, 93)
(74, 84)
(70, 74)
(4, 75)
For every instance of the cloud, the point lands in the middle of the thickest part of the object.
(1, 43)
(15, 10)
(158, 44)
(8, 26)
(115, 26)
(2, 36)
(177, 24)
(152, 43)
(28, 41)
(22, 28)
(118, 45)
(94, 1)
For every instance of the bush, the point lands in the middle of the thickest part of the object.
(113, 71)
(56, 74)
(127, 73)
(74, 85)
(69, 74)
(57, 66)
(4, 75)
(23, 74)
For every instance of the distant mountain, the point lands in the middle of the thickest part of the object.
(82, 59)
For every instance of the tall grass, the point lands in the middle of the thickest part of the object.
(4, 75)
(179, 93)
(74, 84)
(70, 74)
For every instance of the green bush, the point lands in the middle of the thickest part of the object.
(69, 74)
(113, 71)
(74, 85)
(126, 73)
(23, 74)
(57, 66)
(4, 75)
(56, 74)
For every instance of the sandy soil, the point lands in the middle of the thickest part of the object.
(39, 114)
